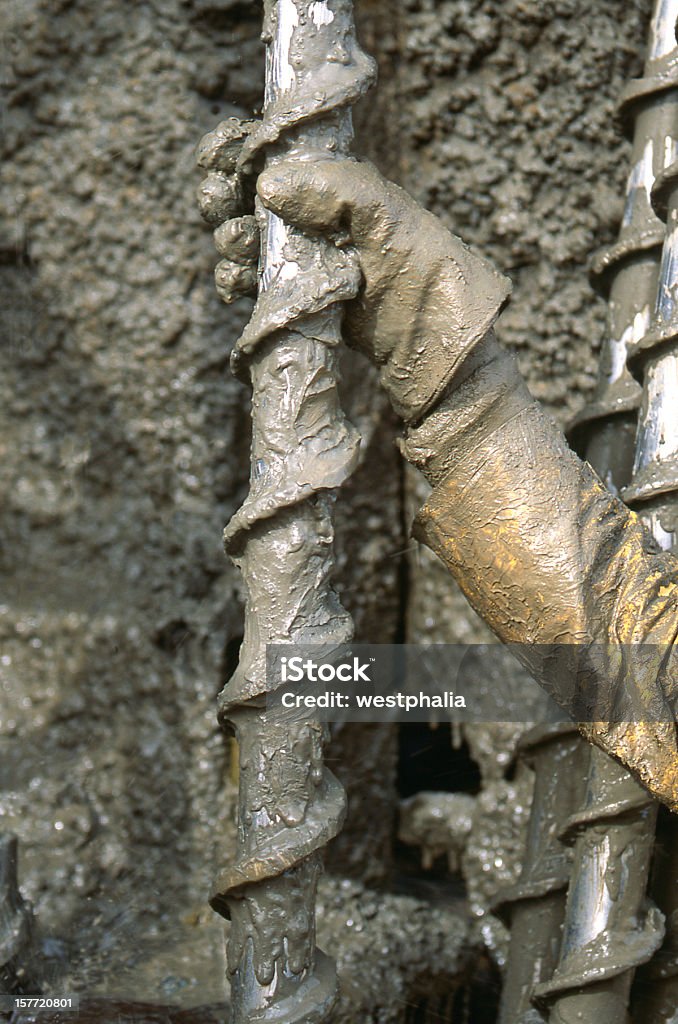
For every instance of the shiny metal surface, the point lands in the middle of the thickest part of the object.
(534, 908)
(609, 930)
(627, 272)
(290, 805)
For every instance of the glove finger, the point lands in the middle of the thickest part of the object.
(238, 240)
(220, 197)
(219, 149)
(225, 192)
(234, 280)
(306, 195)
(328, 195)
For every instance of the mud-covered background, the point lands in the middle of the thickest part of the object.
(124, 450)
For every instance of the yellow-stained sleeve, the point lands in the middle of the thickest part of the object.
(550, 559)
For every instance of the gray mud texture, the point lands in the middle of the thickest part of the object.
(124, 450)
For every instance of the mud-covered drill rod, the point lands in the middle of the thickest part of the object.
(653, 492)
(290, 805)
(610, 928)
(534, 907)
(594, 941)
(626, 272)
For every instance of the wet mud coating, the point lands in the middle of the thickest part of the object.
(125, 449)
(303, 448)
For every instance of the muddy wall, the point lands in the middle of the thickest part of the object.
(124, 439)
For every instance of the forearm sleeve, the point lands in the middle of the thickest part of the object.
(550, 559)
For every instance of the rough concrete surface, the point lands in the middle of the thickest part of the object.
(124, 439)
(124, 451)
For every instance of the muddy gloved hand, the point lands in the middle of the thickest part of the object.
(427, 300)
(551, 561)
(226, 200)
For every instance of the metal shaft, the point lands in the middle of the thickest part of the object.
(534, 908)
(604, 431)
(654, 487)
(654, 493)
(655, 997)
(290, 805)
(609, 928)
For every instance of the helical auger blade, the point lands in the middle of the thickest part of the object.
(303, 448)
(610, 927)
(584, 945)
(534, 907)
(653, 490)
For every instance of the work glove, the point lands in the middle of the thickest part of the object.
(226, 201)
(426, 299)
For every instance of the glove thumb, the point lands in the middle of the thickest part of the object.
(312, 197)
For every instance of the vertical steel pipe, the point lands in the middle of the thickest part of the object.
(654, 494)
(653, 490)
(604, 431)
(609, 928)
(655, 996)
(534, 907)
(303, 448)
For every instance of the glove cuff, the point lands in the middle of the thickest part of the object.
(464, 298)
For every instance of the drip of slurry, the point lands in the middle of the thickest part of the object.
(627, 272)
(439, 824)
(303, 448)
(534, 907)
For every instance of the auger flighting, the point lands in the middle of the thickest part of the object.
(534, 907)
(653, 492)
(290, 805)
(601, 940)
(626, 272)
(610, 930)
